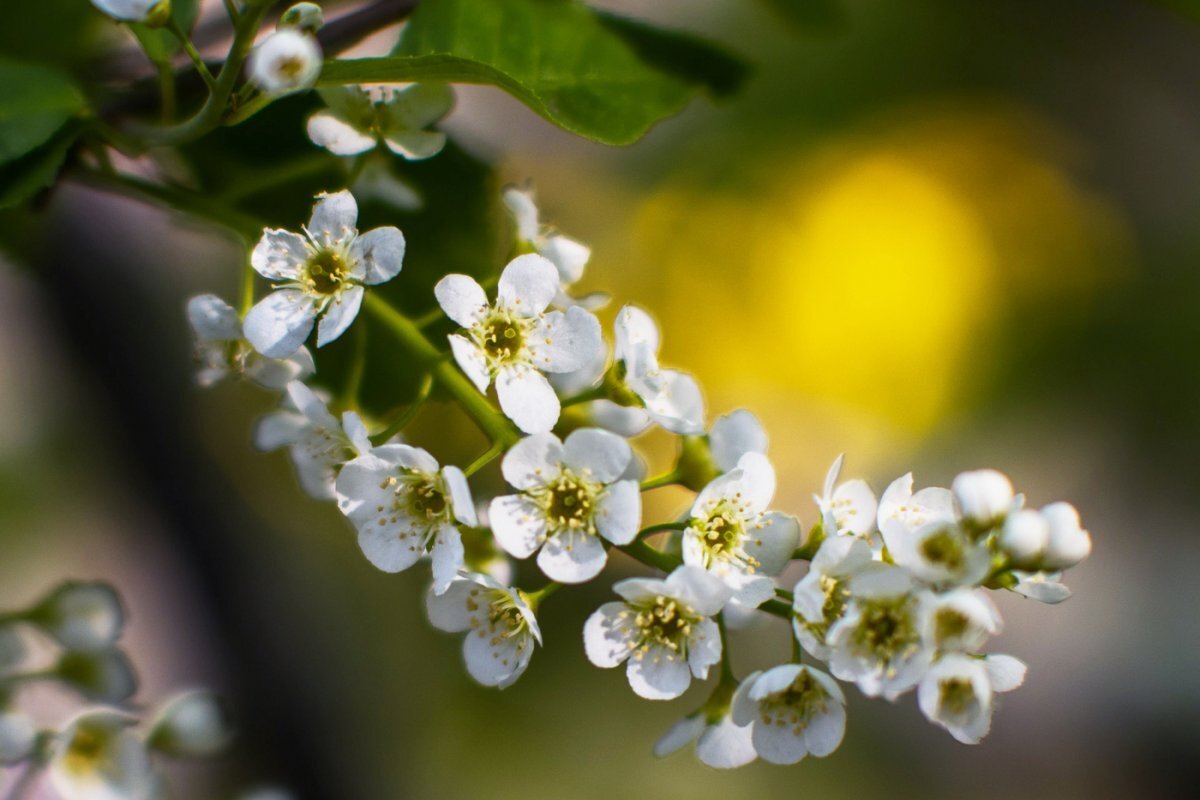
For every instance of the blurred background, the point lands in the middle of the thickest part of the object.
(934, 235)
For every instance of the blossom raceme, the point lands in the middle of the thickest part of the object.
(514, 340)
(288, 60)
(672, 398)
(317, 441)
(571, 500)
(222, 349)
(321, 274)
(357, 119)
(405, 506)
(499, 622)
(792, 711)
(731, 533)
(662, 630)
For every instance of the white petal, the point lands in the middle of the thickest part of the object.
(448, 611)
(16, 737)
(597, 454)
(704, 647)
(471, 360)
(758, 480)
(527, 285)
(533, 461)
(461, 502)
(734, 435)
(339, 315)
(855, 508)
(658, 674)
(517, 524)
(566, 341)
(334, 218)
(279, 255)
(407, 456)
(379, 253)
(679, 735)
(356, 432)
(392, 547)
(774, 543)
(278, 429)
(338, 137)
(622, 420)
(678, 405)
(213, 319)
(725, 745)
(698, 589)
(568, 256)
(572, 557)
(279, 323)
(447, 557)
(619, 512)
(750, 590)
(742, 709)
(1044, 590)
(419, 106)
(640, 590)
(462, 298)
(825, 731)
(778, 745)
(1005, 672)
(496, 660)
(635, 333)
(609, 635)
(415, 145)
(527, 398)
(524, 211)
(311, 406)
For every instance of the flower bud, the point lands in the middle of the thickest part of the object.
(99, 756)
(153, 13)
(1069, 543)
(82, 616)
(984, 496)
(1024, 536)
(304, 17)
(191, 724)
(286, 61)
(105, 676)
(16, 737)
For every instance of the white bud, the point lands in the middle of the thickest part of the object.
(98, 755)
(105, 676)
(1024, 536)
(306, 17)
(151, 12)
(984, 496)
(16, 737)
(286, 61)
(191, 724)
(1069, 543)
(82, 616)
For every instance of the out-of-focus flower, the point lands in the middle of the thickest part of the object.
(17, 736)
(305, 17)
(820, 597)
(98, 757)
(222, 350)
(961, 620)
(672, 398)
(358, 119)
(1068, 542)
(286, 61)
(720, 743)
(192, 723)
(105, 676)
(82, 616)
(791, 711)
(150, 12)
(957, 692)
(984, 497)
(569, 256)
(848, 508)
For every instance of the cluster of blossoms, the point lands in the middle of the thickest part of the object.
(105, 750)
(895, 594)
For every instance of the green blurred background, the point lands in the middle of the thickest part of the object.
(936, 235)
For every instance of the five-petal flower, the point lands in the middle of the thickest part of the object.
(357, 119)
(792, 711)
(222, 350)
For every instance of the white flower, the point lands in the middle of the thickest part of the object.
(135, 10)
(1024, 537)
(569, 256)
(98, 757)
(922, 532)
(317, 443)
(499, 622)
(405, 506)
(984, 496)
(791, 711)
(17, 736)
(733, 435)
(663, 628)
(571, 496)
(83, 616)
(720, 743)
(731, 534)
(1045, 587)
(819, 599)
(514, 340)
(901, 512)
(193, 723)
(104, 675)
(320, 274)
(222, 350)
(358, 119)
(961, 620)
(672, 398)
(307, 17)
(957, 692)
(878, 642)
(848, 508)
(1069, 543)
(286, 61)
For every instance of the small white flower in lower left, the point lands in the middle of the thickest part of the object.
(500, 625)
(98, 756)
(404, 506)
(663, 628)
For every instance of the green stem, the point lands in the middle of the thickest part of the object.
(166, 85)
(488, 457)
(498, 428)
(232, 9)
(429, 318)
(727, 678)
(797, 653)
(185, 41)
(638, 550)
(784, 594)
(661, 526)
(357, 368)
(535, 598)
(408, 414)
(666, 479)
(248, 274)
(598, 393)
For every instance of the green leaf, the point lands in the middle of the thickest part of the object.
(809, 15)
(35, 101)
(159, 43)
(25, 177)
(582, 71)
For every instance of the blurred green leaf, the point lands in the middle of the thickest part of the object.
(49, 31)
(809, 15)
(35, 101)
(577, 69)
(26, 176)
(159, 43)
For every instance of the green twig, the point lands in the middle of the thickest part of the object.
(408, 414)
(185, 42)
(598, 393)
(666, 479)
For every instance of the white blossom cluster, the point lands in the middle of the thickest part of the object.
(106, 749)
(895, 597)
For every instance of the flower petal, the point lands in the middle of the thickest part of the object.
(677, 404)
(609, 635)
(448, 611)
(339, 314)
(527, 285)
(212, 319)
(572, 557)
(566, 341)
(568, 256)
(461, 298)
(597, 454)
(527, 398)
(517, 524)
(1005, 672)
(733, 435)
(334, 218)
(658, 674)
(679, 735)
(471, 360)
(461, 502)
(618, 512)
(773, 544)
(393, 546)
(415, 145)
(279, 323)
(725, 745)
(379, 253)
(280, 255)
(338, 137)
(704, 647)
(447, 557)
(533, 461)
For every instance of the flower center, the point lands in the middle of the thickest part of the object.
(420, 496)
(569, 503)
(944, 548)
(665, 623)
(723, 533)
(85, 751)
(290, 67)
(957, 696)
(326, 271)
(503, 337)
(887, 630)
(950, 625)
(797, 705)
(836, 595)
